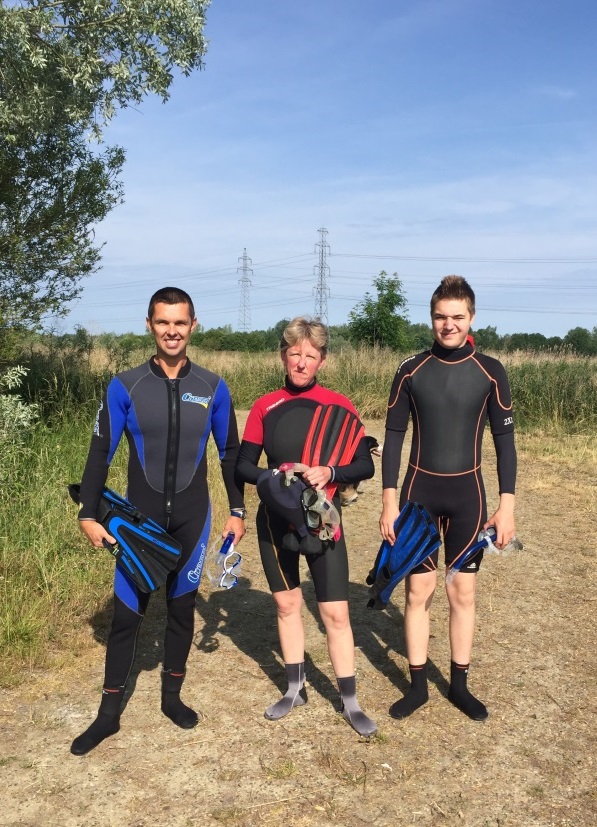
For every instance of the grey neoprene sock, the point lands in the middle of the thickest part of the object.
(351, 710)
(295, 694)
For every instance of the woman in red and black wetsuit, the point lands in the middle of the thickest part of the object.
(278, 424)
(449, 392)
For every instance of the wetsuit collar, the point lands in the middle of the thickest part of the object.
(159, 371)
(458, 354)
(290, 386)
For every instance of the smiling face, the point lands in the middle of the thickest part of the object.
(451, 321)
(171, 326)
(302, 361)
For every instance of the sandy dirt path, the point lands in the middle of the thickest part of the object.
(533, 763)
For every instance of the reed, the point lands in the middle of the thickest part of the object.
(52, 582)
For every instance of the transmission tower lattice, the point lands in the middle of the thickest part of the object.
(322, 271)
(244, 313)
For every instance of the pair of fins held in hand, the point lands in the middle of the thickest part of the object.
(143, 549)
(416, 538)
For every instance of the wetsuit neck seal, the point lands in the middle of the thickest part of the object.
(457, 354)
(157, 370)
(292, 388)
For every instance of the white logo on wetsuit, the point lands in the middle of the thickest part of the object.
(275, 404)
(195, 575)
(96, 428)
(408, 359)
(198, 400)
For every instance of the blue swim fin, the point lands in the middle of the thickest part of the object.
(144, 550)
(416, 538)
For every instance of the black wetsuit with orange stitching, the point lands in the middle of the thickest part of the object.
(450, 394)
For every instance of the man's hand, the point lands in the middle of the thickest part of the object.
(96, 533)
(389, 515)
(503, 520)
(236, 526)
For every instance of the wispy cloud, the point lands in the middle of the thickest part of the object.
(558, 92)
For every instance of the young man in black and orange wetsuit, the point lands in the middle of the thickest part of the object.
(167, 408)
(449, 392)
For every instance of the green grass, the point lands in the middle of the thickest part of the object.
(52, 581)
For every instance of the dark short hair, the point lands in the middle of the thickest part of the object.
(170, 295)
(454, 287)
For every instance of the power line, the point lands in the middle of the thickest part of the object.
(474, 260)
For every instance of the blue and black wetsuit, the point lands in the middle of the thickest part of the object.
(278, 424)
(167, 423)
(450, 394)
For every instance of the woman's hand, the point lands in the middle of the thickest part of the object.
(318, 476)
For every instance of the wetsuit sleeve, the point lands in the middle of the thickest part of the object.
(399, 401)
(225, 433)
(107, 431)
(499, 404)
(396, 425)
(505, 451)
(360, 468)
(390, 458)
(499, 410)
(247, 468)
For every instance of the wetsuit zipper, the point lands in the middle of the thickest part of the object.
(173, 438)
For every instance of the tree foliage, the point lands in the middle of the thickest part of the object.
(377, 321)
(80, 60)
(52, 191)
(65, 67)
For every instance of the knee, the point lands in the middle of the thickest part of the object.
(288, 604)
(181, 610)
(419, 591)
(461, 597)
(335, 618)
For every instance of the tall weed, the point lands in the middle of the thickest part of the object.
(52, 582)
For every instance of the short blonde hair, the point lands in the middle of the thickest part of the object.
(303, 328)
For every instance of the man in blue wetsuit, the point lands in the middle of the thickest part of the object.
(167, 409)
(449, 392)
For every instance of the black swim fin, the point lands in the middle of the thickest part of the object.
(416, 538)
(144, 550)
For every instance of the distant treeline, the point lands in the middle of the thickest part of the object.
(579, 340)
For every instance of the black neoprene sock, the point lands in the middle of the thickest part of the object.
(295, 694)
(172, 707)
(107, 722)
(351, 710)
(460, 696)
(416, 696)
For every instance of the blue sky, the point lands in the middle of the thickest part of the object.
(427, 136)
